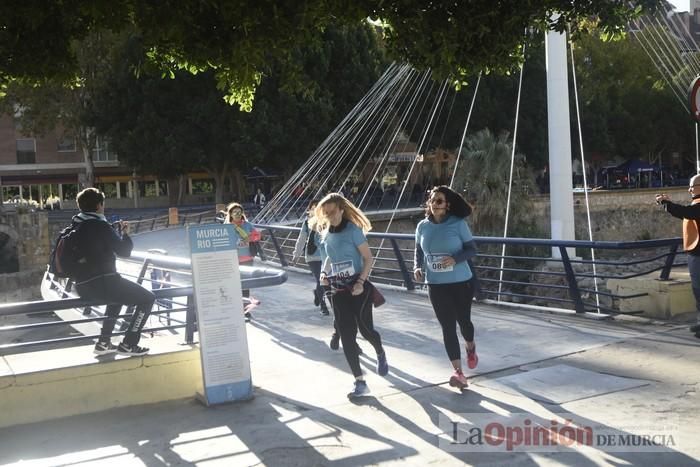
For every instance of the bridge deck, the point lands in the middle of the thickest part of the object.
(301, 416)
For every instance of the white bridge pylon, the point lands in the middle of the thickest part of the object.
(560, 177)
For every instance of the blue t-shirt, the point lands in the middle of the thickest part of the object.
(341, 248)
(243, 243)
(439, 240)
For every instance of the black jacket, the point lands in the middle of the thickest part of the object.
(100, 245)
(691, 211)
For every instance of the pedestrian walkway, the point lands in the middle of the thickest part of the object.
(300, 415)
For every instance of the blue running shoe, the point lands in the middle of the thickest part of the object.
(382, 365)
(359, 390)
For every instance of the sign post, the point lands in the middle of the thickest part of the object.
(694, 97)
(223, 341)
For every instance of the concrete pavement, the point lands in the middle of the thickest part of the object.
(301, 416)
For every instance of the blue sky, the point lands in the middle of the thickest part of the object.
(681, 5)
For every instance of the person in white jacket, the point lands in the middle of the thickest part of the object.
(309, 245)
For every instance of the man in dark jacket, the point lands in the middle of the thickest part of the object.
(691, 237)
(97, 276)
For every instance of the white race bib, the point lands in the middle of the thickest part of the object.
(435, 263)
(343, 270)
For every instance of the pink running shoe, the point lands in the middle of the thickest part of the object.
(472, 358)
(458, 380)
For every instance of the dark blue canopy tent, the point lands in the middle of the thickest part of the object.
(619, 176)
(636, 168)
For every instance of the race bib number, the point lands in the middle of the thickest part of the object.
(343, 270)
(435, 263)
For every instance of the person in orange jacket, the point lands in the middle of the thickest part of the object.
(691, 216)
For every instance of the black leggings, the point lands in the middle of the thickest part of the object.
(453, 304)
(116, 290)
(315, 267)
(353, 312)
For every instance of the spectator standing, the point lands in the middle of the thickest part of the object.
(690, 215)
(259, 199)
(246, 234)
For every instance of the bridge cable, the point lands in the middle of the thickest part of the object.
(510, 179)
(464, 133)
(585, 176)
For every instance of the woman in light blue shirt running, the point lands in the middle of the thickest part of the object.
(346, 268)
(444, 243)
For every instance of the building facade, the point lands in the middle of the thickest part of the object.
(48, 172)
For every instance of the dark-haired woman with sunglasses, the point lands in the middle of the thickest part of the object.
(245, 235)
(444, 243)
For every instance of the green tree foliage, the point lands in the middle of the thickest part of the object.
(482, 176)
(236, 39)
(169, 127)
(50, 105)
(496, 102)
(290, 123)
(627, 109)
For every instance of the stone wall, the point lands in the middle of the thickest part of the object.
(29, 236)
(618, 215)
(23, 286)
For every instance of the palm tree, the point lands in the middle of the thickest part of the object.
(482, 177)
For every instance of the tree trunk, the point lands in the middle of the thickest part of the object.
(173, 191)
(240, 185)
(219, 174)
(182, 188)
(219, 187)
(89, 168)
(87, 143)
(231, 184)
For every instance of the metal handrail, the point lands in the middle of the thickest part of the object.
(391, 267)
(164, 291)
(394, 264)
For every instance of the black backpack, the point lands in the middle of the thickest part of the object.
(65, 259)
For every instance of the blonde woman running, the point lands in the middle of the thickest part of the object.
(346, 269)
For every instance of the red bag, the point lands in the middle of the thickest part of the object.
(377, 297)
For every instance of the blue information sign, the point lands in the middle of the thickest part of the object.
(222, 333)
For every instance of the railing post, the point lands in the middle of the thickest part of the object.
(574, 292)
(68, 287)
(173, 217)
(142, 272)
(190, 320)
(402, 265)
(670, 259)
(280, 255)
(138, 225)
(153, 224)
